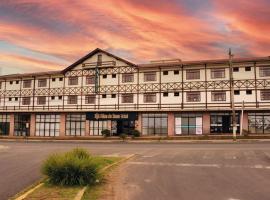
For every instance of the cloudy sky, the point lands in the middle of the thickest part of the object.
(43, 35)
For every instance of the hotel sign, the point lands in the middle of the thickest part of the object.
(111, 116)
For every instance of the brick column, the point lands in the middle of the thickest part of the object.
(87, 128)
(62, 125)
(171, 124)
(32, 124)
(245, 121)
(206, 123)
(12, 124)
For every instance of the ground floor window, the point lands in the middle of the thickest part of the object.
(4, 124)
(47, 124)
(75, 124)
(96, 126)
(222, 122)
(188, 124)
(22, 124)
(259, 123)
(155, 124)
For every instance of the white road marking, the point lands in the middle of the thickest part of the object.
(199, 165)
(3, 147)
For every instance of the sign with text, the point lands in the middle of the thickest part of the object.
(112, 116)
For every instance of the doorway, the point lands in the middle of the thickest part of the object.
(22, 124)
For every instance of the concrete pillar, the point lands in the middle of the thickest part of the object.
(138, 123)
(206, 123)
(245, 121)
(32, 124)
(87, 128)
(171, 124)
(12, 124)
(62, 125)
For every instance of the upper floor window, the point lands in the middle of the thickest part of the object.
(53, 79)
(247, 69)
(17, 82)
(236, 69)
(265, 95)
(26, 100)
(193, 96)
(264, 71)
(192, 74)
(149, 98)
(127, 78)
(176, 72)
(219, 96)
(90, 99)
(41, 100)
(165, 73)
(90, 80)
(73, 80)
(150, 76)
(113, 75)
(61, 79)
(217, 73)
(42, 82)
(127, 98)
(72, 99)
(27, 83)
(10, 82)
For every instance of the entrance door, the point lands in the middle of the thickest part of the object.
(226, 120)
(22, 125)
(119, 127)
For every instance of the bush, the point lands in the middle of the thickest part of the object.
(123, 136)
(135, 133)
(106, 133)
(71, 168)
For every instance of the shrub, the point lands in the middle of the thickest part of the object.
(106, 133)
(123, 136)
(135, 133)
(71, 168)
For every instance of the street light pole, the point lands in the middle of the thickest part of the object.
(232, 94)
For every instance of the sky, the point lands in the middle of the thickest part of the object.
(49, 35)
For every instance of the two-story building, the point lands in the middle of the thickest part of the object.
(168, 97)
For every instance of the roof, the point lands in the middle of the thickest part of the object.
(31, 74)
(97, 50)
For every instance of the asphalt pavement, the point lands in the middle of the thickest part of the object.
(239, 171)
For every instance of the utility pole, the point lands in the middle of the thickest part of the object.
(232, 94)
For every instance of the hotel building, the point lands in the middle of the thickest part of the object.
(168, 97)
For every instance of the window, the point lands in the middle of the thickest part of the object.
(96, 126)
(218, 96)
(60, 79)
(247, 69)
(236, 69)
(217, 73)
(165, 94)
(53, 79)
(26, 100)
(104, 76)
(188, 124)
(127, 78)
(60, 97)
(149, 98)
(248, 92)
(52, 97)
(90, 80)
(47, 125)
(176, 94)
(265, 95)
(9, 99)
(27, 84)
(175, 72)
(41, 100)
(259, 123)
(113, 95)
(90, 99)
(4, 124)
(113, 75)
(16, 98)
(149, 76)
(193, 96)
(236, 92)
(155, 124)
(192, 74)
(221, 123)
(10, 82)
(75, 124)
(104, 96)
(73, 80)
(264, 71)
(127, 98)
(22, 124)
(165, 73)
(42, 82)
(17, 82)
(72, 99)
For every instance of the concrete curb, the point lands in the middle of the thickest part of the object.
(24, 195)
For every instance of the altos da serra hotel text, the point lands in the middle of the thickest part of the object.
(167, 97)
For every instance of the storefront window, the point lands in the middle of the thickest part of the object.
(22, 124)
(75, 124)
(155, 124)
(259, 123)
(96, 126)
(47, 125)
(188, 124)
(222, 123)
(4, 124)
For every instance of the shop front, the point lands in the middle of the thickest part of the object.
(117, 123)
(221, 122)
(188, 124)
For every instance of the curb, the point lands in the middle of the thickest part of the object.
(28, 192)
